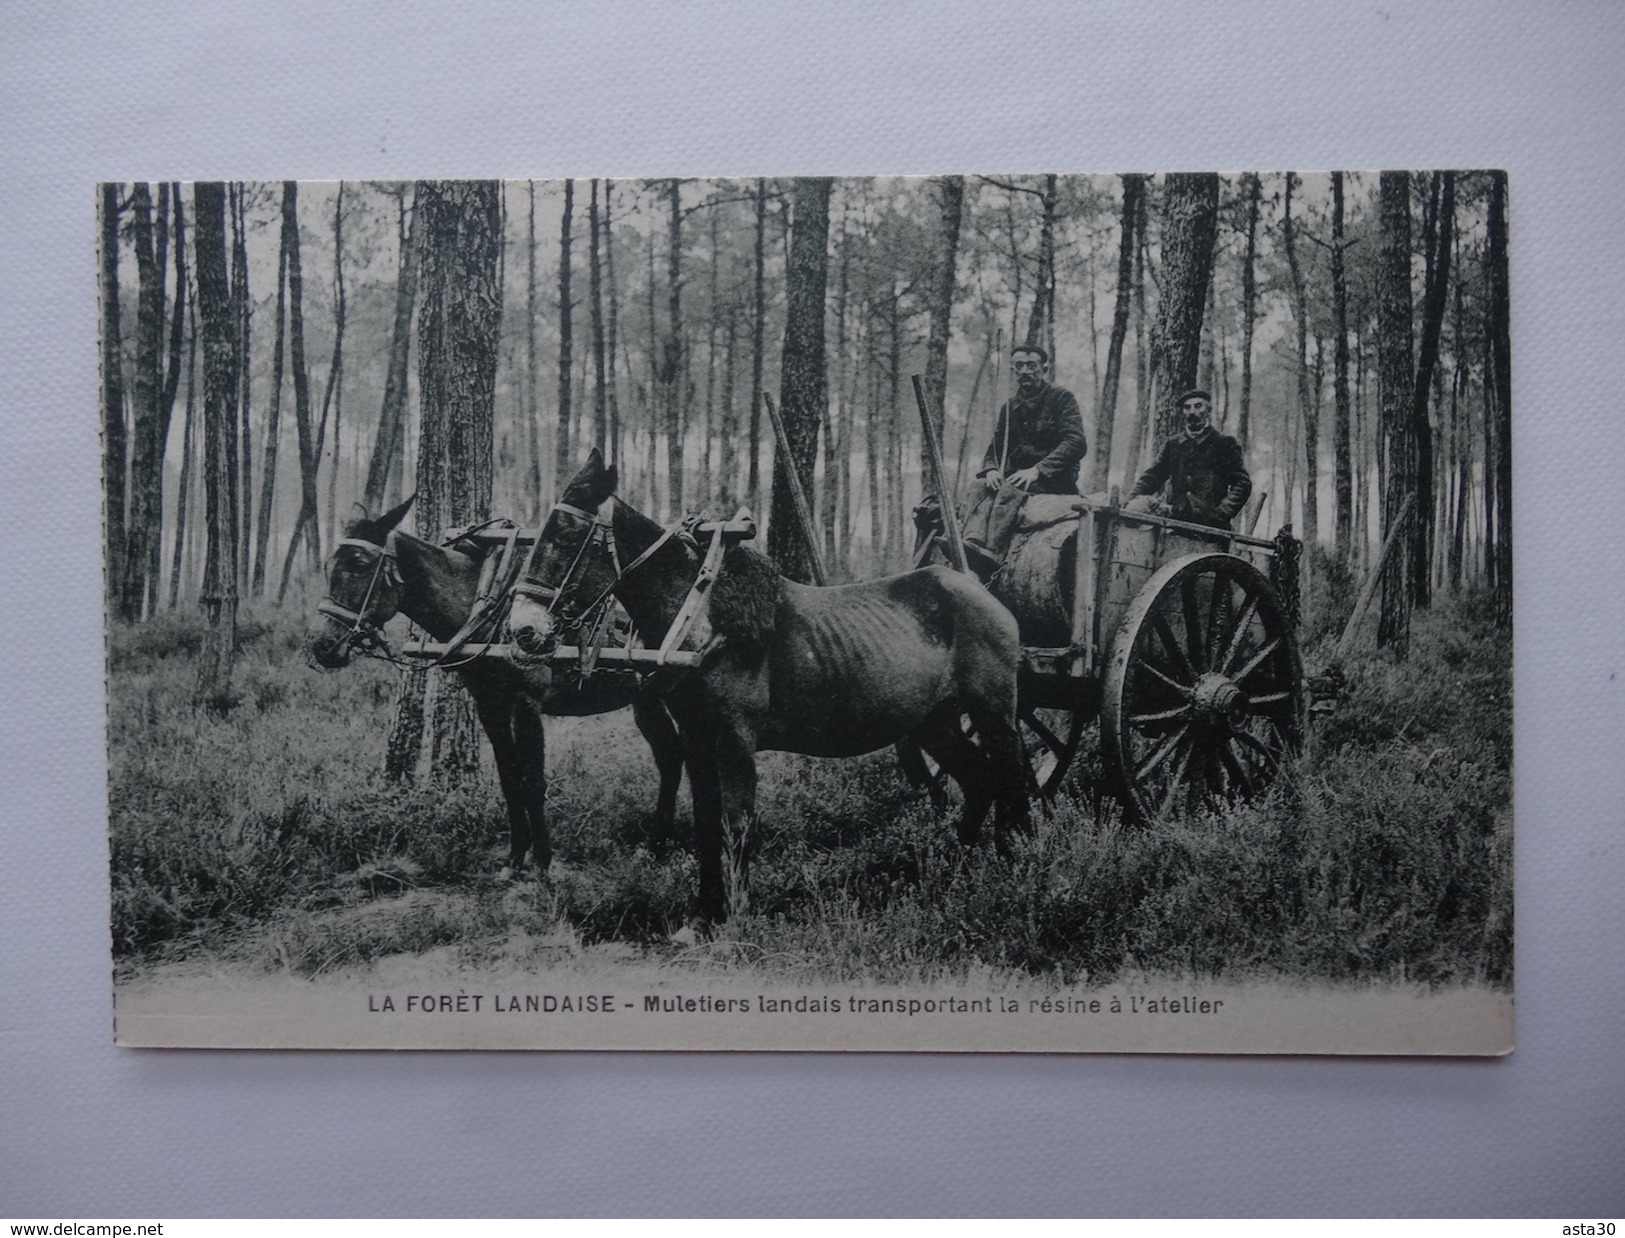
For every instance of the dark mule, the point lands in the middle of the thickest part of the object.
(378, 571)
(830, 672)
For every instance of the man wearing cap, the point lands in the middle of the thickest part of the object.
(1199, 473)
(1038, 438)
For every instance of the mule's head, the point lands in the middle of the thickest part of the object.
(363, 591)
(570, 569)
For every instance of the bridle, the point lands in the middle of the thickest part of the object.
(359, 632)
(601, 530)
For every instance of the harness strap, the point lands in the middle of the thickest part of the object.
(695, 602)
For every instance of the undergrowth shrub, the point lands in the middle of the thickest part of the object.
(1385, 853)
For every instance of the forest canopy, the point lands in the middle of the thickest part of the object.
(265, 347)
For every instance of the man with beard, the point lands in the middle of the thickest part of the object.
(1199, 475)
(1038, 438)
(1037, 444)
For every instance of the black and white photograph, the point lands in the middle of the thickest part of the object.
(1002, 612)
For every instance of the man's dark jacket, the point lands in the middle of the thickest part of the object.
(1046, 429)
(1204, 480)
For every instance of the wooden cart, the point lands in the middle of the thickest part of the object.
(1177, 637)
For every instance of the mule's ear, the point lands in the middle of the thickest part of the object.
(359, 517)
(595, 458)
(386, 523)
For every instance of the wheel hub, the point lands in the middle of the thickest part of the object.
(1217, 698)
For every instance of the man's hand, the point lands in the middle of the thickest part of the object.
(994, 478)
(1024, 478)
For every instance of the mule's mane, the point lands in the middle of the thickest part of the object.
(745, 600)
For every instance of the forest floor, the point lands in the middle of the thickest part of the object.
(260, 837)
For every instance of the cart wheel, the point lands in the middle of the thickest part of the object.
(1050, 739)
(1203, 695)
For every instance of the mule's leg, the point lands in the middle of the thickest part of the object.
(497, 716)
(1006, 771)
(700, 750)
(657, 728)
(530, 760)
(917, 775)
(965, 764)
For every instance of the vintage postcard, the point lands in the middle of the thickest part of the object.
(1001, 613)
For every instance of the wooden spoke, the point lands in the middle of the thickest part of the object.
(1176, 779)
(1182, 688)
(1257, 745)
(1183, 664)
(1044, 733)
(1238, 629)
(1050, 740)
(1268, 698)
(1190, 606)
(1162, 752)
(1257, 660)
(1219, 604)
(1237, 770)
(1141, 721)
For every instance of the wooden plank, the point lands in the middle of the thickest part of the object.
(569, 655)
(1083, 593)
(1204, 531)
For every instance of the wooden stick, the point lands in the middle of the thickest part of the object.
(1345, 643)
(565, 655)
(933, 455)
(787, 461)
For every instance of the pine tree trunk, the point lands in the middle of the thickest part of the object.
(273, 429)
(1396, 379)
(1249, 308)
(563, 463)
(305, 527)
(389, 448)
(1343, 479)
(758, 325)
(728, 463)
(675, 363)
(1421, 431)
(114, 437)
(1500, 315)
(1307, 402)
(536, 467)
(713, 326)
(169, 199)
(1106, 416)
(219, 327)
(188, 454)
(613, 340)
(595, 285)
(146, 450)
(872, 430)
(1190, 227)
(893, 441)
(333, 396)
(1142, 353)
(242, 429)
(459, 325)
(836, 429)
(803, 384)
(951, 201)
